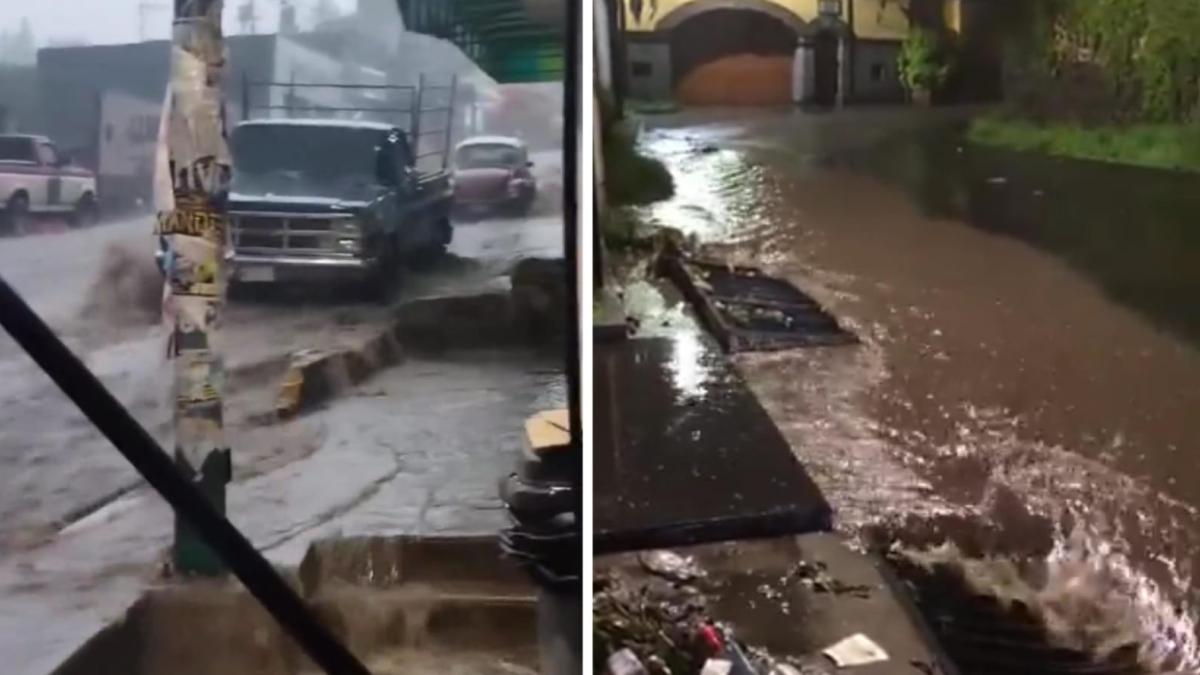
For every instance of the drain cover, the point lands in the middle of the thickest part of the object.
(984, 636)
(749, 311)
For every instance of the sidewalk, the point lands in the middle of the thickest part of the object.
(687, 459)
(386, 466)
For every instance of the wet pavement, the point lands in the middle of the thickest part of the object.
(685, 454)
(79, 538)
(786, 599)
(394, 458)
(1012, 392)
(55, 466)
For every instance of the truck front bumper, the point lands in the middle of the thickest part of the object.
(263, 269)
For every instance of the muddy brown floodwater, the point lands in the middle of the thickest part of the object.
(1029, 382)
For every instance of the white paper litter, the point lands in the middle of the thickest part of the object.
(856, 650)
(716, 667)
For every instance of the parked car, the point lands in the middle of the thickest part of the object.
(492, 175)
(36, 180)
(332, 200)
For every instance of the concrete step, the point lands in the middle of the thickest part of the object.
(403, 604)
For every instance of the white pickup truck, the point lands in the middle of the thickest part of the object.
(37, 180)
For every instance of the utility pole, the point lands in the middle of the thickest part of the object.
(193, 223)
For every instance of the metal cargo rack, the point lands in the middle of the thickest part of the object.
(408, 106)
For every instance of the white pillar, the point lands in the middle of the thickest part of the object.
(804, 72)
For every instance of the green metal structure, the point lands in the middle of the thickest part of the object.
(507, 38)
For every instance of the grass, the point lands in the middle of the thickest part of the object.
(1161, 146)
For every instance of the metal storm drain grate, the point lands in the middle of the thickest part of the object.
(749, 311)
(983, 636)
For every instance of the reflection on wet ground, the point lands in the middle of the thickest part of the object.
(1027, 395)
(685, 453)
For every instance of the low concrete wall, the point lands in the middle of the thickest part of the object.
(650, 69)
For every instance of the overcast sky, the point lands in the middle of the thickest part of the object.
(117, 21)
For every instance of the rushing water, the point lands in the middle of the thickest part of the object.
(1029, 384)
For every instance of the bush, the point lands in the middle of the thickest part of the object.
(630, 177)
(1145, 50)
(923, 63)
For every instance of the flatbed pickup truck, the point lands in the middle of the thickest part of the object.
(328, 201)
(36, 180)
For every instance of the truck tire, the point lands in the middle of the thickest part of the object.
(524, 205)
(87, 211)
(383, 282)
(16, 215)
(427, 257)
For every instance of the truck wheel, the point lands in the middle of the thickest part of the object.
(87, 212)
(16, 215)
(382, 283)
(526, 205)
(427, 257)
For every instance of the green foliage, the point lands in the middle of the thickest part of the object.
(619, 227)
(923, 63)
(1164, 146)
(630, 177)
(1147, 50)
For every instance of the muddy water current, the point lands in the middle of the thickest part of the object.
(1027, 395)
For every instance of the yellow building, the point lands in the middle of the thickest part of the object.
(802, 51)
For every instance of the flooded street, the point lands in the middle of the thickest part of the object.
(416, 449)
(1029, 375)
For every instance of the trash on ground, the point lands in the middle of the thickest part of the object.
(815, 577)
(856, 650)
(625, 662)
(663, 622)
(670, 565)
(716, 667)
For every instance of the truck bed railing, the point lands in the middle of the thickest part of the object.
(408, 106)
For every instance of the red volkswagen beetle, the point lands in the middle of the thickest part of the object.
(492, 175)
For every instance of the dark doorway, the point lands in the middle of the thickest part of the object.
(826, 48)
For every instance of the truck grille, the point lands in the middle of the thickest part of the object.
(284, 233)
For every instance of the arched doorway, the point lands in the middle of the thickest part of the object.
(732, 54)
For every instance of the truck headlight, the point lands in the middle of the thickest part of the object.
(349, 245)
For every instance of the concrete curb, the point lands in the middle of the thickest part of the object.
(529, 315)
(375, 594)
(315, 377)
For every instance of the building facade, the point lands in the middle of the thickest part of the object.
(823, 52)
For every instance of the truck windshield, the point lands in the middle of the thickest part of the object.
(16, 150)
(305, 160)
(488, 156)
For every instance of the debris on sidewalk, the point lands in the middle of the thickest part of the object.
(660, 622)
(671, 566)
(625, 662)
(856, 650)
(815, 576)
